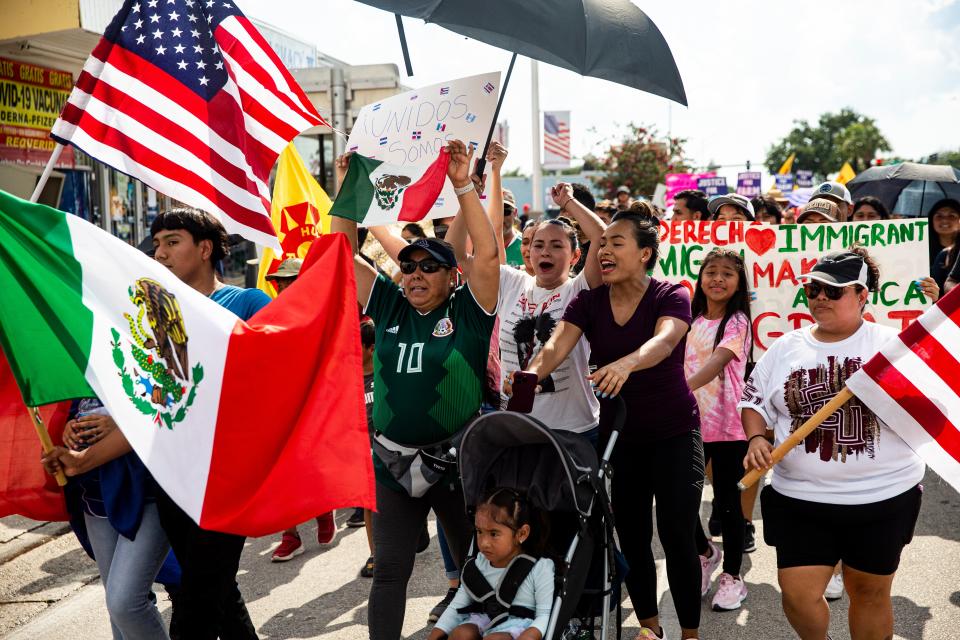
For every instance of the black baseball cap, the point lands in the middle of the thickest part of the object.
(840, 269)
(441, 251)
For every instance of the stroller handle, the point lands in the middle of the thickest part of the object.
(620, 418)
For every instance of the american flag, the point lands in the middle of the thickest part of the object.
(188, 97)
(913, 385)
(556, 138)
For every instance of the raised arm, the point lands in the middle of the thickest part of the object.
(363, 273)
(391, 242)
(666, 336)
(591, 225)
(496, 155)
(484, 279)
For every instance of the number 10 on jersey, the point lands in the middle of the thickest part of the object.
(414, 357)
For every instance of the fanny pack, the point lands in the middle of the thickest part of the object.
(416, 469)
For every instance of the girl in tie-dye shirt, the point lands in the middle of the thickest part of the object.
(714, 363)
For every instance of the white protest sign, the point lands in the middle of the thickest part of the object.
(410, 128)
(776, 255)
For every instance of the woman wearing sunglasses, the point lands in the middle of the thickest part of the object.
(851, 494)
(432, 339)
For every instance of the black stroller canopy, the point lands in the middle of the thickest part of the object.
(513, 450)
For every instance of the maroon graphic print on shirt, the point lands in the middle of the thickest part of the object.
(851, 429)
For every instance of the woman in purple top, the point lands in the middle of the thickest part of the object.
(636, 327)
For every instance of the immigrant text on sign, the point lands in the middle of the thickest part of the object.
(776, 255)
(410, 128)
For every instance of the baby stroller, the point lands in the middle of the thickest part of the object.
(562, 476)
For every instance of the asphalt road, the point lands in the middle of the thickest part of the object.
(52, 590)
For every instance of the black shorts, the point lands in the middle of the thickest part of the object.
(866, 537)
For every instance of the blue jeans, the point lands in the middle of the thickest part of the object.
(450, 568)
(127, 569)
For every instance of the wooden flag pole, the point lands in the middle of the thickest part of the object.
(47, 170)
(797, 436)
(45, 441)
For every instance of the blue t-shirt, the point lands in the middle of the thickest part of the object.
(241, 302)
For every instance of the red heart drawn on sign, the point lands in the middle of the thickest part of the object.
(761, 240)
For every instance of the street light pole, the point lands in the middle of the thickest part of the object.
(536, 201)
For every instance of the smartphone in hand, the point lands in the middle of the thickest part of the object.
(524, 391)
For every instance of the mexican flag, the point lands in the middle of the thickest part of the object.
(86, 314)
(375, 193)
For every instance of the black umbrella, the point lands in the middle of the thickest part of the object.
(887, 183)
(609, 39)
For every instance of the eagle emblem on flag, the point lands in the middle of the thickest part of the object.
(388, 189)
(157, 380)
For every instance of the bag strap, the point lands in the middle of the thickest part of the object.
(497, 603)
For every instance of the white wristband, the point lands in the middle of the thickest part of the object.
(464, 190)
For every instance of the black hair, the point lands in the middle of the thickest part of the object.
(739, 302)
(512, 509)
(873, 268)
(367, 333)
(945, 202)
(566, 224)
(875, 203)
(695, 201)
(646, 231)
(766, 205)
(581, 193)
(199, 224)
(414, 229)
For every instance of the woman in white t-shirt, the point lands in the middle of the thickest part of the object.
(851, 493)
(531, 307)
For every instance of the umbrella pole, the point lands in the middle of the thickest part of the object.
(482, 160)
(403, 45)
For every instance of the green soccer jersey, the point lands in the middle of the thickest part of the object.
(514, 252)
(429, 370)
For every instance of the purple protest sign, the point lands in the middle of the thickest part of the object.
(784, 182)
(716, 186)
(804, 179)
(748, 183)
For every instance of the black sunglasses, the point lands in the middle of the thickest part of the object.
(813, 289)
(427, 265)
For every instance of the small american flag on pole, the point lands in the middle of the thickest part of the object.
(913, 385)
(188, 97)
(556, 139)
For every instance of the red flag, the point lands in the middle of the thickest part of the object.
(913, 384)
(291, 440)
(25, 488)
(190, 99)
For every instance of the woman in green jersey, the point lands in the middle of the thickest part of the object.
(429, 368)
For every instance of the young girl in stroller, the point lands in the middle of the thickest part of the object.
(506, 592)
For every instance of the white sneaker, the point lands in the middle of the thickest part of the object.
(730, 593)
(834, 590)
(708, 566)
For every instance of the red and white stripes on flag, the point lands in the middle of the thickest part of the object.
(187, 96)
(556, 139)
(913, 384)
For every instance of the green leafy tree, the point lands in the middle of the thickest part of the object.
(640, 160)
(951, 158)
(841, 137)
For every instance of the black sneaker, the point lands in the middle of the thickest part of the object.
(356, 518)
(749, 537)
(438, 610)
(367, 570)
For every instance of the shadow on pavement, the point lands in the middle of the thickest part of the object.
(60, 572)
(940, 510)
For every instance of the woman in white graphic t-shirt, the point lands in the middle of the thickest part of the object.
(851, 492)
(531, 306)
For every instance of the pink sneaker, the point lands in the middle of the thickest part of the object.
(326, 528)
(290, 546)
(646, 633)
(730, 593)
(707, 567)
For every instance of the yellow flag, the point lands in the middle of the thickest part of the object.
(787, 165)
(846, 173)
(300, 212)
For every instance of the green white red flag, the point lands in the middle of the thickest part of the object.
(375, 193)
(250, 427)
